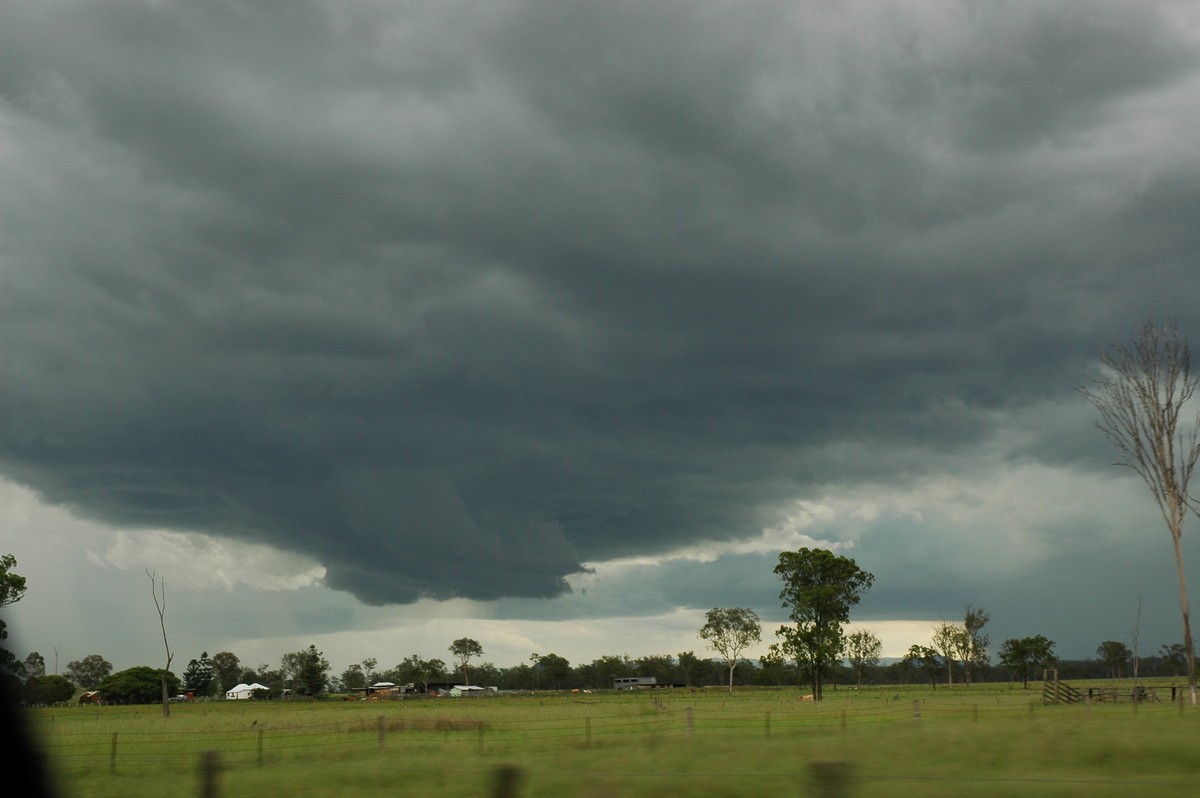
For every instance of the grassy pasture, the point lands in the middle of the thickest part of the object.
(987, 740)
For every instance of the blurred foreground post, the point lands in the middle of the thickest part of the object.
(208, 774)
(832, 779)
(505, 785)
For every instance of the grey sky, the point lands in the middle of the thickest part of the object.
(465, 300)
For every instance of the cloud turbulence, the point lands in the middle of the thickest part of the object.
(457, 298)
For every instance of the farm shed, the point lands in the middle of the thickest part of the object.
(470, 689)
(384, 690)
(641, 683)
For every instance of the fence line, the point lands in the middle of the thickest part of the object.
(394, 741)
(829, 779)
(81, 747)
(437, 725)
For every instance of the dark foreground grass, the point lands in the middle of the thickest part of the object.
(981, 741)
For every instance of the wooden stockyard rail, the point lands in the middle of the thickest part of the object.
(1058, 692)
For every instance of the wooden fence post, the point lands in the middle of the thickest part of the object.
(208, 774)
(382, 733)
(690, 727)
(916, 711)
(505, 783)
(260, 747)
(112, 754)
(832, 779)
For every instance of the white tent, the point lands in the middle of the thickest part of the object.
(244, 691)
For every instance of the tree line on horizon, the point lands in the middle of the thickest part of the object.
(306, 673)
(819, 588)
(1144, 390)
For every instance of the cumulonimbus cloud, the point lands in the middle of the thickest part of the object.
(597, 281)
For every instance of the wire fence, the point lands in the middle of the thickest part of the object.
(288, 740)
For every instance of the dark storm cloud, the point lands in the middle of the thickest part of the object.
(455, 297)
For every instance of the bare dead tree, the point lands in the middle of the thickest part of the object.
(158, 590)
(1135, 634)
(1145, 386)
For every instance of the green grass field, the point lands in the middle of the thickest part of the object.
(987, 740)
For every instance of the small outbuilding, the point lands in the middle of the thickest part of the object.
(635, 682)
(384, 690)
(460, 690)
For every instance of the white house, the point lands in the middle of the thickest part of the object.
(244, 691)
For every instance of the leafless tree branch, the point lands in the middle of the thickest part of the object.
(158, 591)
(1141, 397)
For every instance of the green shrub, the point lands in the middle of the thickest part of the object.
(49, 690)
(137, 685)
